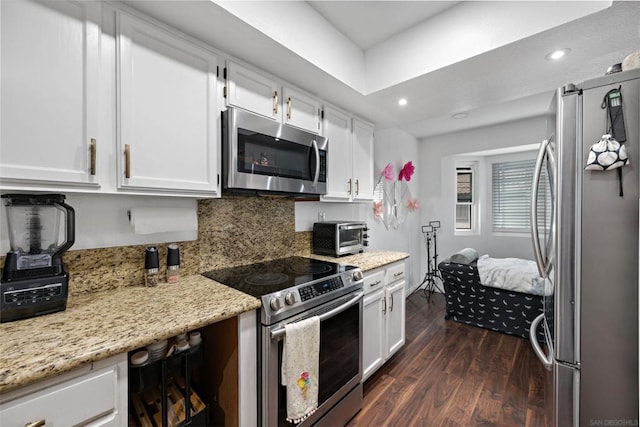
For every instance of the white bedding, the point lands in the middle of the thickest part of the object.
(513, 274)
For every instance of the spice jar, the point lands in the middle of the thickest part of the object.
(173, 263)
(151, 266)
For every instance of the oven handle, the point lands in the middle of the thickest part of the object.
(324, 316)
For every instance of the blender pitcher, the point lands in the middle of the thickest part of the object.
(34, 281)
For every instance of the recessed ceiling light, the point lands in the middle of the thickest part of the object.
(557, 54)
(402, 101)
(459, 115)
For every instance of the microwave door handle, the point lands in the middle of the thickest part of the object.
(281, 331)
(317, 174)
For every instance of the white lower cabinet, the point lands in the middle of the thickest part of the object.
(94, 395)
(383, 316)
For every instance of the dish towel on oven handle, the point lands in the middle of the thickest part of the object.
(300, 360)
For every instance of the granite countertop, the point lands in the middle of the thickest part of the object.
(367, 260)
(102, 324)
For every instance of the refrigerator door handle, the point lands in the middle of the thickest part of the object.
(544, 265)
(546, 360)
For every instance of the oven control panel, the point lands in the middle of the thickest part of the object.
(317, 289)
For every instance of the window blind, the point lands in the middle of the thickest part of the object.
(511, 196)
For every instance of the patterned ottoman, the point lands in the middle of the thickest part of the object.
(470, 302)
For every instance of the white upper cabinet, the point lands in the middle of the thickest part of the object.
(167, 112)
(362, 161)
(252, 91)
(337, 128)
(300, 110)
(49, 86)
(350, 158)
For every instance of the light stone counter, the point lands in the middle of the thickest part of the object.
(103, 324)
(367, 260)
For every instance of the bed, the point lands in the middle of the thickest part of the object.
(470, 301)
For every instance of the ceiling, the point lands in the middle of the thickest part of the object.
(484, 59)
(370, 23)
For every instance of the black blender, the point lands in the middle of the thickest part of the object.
(34, 280)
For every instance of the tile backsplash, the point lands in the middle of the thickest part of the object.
(231, 231)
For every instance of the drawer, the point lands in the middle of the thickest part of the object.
(73, 402)
(374, 281)
(395, 272)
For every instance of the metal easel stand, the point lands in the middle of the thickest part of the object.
(432, 278)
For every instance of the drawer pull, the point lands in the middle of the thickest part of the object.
(384, 309)
(289, 103)
(398, 274)
(391, 305)
(36, 424)
(349, 192)
(376, 283)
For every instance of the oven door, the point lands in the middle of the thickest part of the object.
(260, 154)
(340, 367)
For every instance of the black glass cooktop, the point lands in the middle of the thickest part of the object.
(263, 278)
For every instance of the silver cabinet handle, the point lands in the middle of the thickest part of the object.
(39, 423)
(127, 161)
(376, 283)
(275, 102)
(92, 160)
(349, 192)
(384, 309)
(289, 104)
(391, 306)
(357, 187)
(546, 360)
(398, 274)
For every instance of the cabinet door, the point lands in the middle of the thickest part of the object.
(49, 89)
(300, 110)
(395, 317)
(94, 397)
(252, 91)
(362, 161)
(373, 333)
(167, 111)
(337, 128)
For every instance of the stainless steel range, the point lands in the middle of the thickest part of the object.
(293, 289)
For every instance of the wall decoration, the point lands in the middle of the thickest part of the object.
(392, 199)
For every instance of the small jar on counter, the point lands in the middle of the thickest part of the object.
(173, 264)
(151, 266)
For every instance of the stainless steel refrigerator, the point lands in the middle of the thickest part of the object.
(585, 238)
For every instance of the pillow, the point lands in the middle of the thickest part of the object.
(464, 256)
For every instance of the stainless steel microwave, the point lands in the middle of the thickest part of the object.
(261, 155)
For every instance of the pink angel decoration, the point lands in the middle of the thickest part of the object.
(388, 172)
(412, 205)
(378, 209)
(407, 171)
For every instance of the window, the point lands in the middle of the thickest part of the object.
(511, 195)
(464, 198)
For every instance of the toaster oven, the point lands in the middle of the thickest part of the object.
(337, 238)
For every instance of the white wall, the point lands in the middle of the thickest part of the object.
(391, 146)
(437, 189)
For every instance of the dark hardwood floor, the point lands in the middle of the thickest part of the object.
(452, 374)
